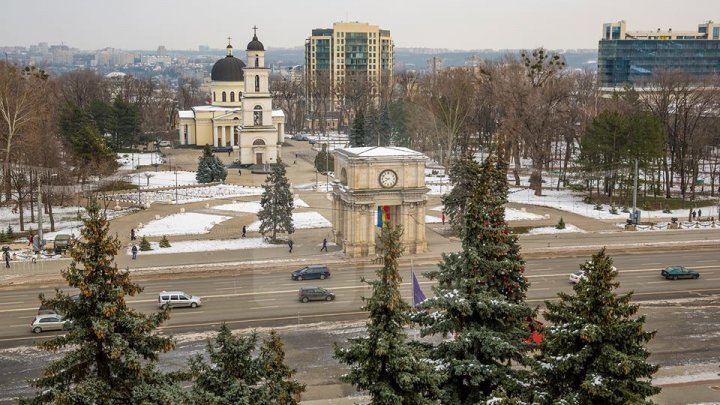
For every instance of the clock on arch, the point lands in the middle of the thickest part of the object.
(388, 178)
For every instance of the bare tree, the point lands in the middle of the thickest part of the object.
(289, 96)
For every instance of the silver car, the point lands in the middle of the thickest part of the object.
(41, 323)
(176, 299)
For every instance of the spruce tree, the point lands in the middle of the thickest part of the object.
(276, 204)
(164, 242)
(233, 375)
(594, 350)
(324, 160)
(480, 301)
(357, 131)
(384, 363)
(464, 175)
(210, 167)
(109, 350)
(145, 245)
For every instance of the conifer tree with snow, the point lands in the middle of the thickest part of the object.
(210, 168)
(233, 374)
(392, 369)
(480, 302)
(109, 351)
(276, 204)
(464, 175)
(594, 350)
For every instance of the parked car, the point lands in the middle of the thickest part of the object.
(676, 272)
(580, 275)
(222, 149)
(62, 243)
(311, 272)
(314, 294)
(43, 323)
(175, 299)
(164, 144)
(298, 137)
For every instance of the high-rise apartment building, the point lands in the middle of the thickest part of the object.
(632, 56)
(349, 51)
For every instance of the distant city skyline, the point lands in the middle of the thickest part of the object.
(452, 24)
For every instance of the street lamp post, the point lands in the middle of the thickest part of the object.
(176, 194)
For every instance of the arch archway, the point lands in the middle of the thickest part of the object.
(257, 115)
(224, 97)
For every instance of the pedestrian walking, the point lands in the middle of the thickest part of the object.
(132, 234)
(693, 214)
(290, 245)
(6, 256)
(229, 151)
(442, 217)
(699, 213)
(30, 239)
(324, 245)
(243, 231)
(239, 172)
(134, 251)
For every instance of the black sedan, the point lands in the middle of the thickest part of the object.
(676, 272)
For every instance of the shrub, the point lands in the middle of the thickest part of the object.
(144, 245)
(587, 199)
(560, 224)
(10, 234)
(598, 207)
(613, 210)
(164, 242)
(625, 209)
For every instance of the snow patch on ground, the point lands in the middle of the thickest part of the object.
(191, 194)
(131, 161)
(512, 214)
(190, 246)
(429, 219)
(545, 230)
(252, 207)
(162, 179)
(301, 220)
(188, 223)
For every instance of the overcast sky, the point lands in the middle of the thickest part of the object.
(453, 24)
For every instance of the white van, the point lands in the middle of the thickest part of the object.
(176, 299)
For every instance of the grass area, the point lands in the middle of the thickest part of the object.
(119, 185)
(657, 203)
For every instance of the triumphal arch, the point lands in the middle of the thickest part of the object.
(374, 186)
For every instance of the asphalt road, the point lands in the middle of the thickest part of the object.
(684, 313)
(270, 298)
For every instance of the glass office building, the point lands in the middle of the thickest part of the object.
(632, 57)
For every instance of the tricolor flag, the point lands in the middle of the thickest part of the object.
(383, 215)
(417, 295)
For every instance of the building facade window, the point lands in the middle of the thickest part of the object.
(232, 96)
(257, 83)
(224, 97)
(257, 62)
(213, 96)
(257, 115)
(716, 32)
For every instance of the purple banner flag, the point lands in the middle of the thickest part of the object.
(418, 295)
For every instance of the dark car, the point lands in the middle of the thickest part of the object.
(311, 272)
(314, 294)
(676, 272)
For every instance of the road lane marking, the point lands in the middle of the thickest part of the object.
(14, 302)
(271, 306)
(185, 313)
(280, 318)
(652, 264)
(27, 325)
(656, 282)
(227, 288)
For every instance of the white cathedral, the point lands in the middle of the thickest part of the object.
(240, 115)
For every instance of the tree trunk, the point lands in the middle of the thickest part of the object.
(516, 157)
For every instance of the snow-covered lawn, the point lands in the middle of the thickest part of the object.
(192, 194)
(190, 246)
(252, 207)
(186, 223)
(511, 214)
(162, 179)
(567, 200)
(551, 229)
(130, 161)
(301, 220)
(429, 219)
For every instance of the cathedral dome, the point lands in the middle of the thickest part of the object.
(255, 45)
(228, 69)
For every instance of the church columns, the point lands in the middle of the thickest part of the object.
(215, 135)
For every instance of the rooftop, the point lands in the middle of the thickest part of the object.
(381, 151)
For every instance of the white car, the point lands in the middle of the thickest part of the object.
(176, 299)
(580, 275)
(42, 323)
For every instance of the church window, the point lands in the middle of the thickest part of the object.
(257, 115)
(257, 83)
(213, 96)
(258, 142)
(232, 96)
(224, 97)
(257, 62)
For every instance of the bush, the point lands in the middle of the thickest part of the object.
(577, 187)
(144, 244)
(3, 237)
(625, 209)
(560, 224)
(10, 234)
(598, 207)
(613, 210)
(164, 242)
(587, 199)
